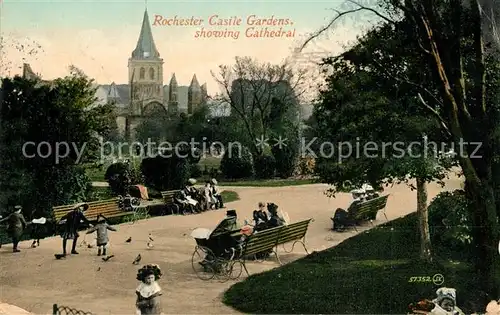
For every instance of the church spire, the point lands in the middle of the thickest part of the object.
(145, 48)
(195, 86)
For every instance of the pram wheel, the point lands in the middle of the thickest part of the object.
(203, 262)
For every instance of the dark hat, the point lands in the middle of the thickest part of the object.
(231, 213)
(271, 207)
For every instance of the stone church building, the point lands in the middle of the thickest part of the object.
(145, 94)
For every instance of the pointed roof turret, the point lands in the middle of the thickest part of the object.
(145, 48)
(194, 86)
(173, 81)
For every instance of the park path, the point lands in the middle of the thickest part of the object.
(34, 281)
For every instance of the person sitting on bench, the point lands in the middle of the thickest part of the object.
(340, 217)
(370, 192)
(275, 220)
(260, 217)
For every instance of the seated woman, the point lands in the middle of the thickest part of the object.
(370, 192)
(275, 220)
(446, 302)
(260, 217)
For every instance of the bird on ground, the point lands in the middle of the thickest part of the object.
(128, 240)
(137, 260)
(108, 257)
(59, 256)
(150, 244)
(151, 237)
(99, 269)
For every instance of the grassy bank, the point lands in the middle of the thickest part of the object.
(366, 274)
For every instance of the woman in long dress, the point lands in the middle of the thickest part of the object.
(148, 292)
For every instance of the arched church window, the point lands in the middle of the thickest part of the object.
(142, 73)
(151, 73)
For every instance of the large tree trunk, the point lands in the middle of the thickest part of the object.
(423, 221)
(486, 236)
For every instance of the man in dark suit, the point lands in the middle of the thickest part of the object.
(72, 223)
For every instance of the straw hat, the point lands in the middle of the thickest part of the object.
(191, 181)
(214, 181)
(358, 191)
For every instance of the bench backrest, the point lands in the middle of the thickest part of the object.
(168, 196)
(261, 241)
(108, 207)
(370, 206)
(268, 239)
(293, 232)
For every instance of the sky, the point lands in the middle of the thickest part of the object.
(99, 36)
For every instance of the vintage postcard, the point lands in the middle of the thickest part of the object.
(260, 157)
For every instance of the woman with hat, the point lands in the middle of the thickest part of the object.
(446, 302)
(16, 226)
(216, 194)
(72, 224)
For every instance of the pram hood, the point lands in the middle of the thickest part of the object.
(201, 233)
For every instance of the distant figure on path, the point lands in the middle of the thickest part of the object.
(102, 228)
(73, 221)
(16, 226)
(148, 292)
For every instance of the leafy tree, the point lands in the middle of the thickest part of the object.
(55, 117)
(257, 92)
(451, 40)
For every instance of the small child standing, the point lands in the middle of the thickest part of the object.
(102, 228)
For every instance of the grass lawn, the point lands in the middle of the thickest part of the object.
(229, 195)
(366, 274)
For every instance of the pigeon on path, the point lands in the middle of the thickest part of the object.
(128, 240)
(108, 257)
(59, 256)
(137, 260)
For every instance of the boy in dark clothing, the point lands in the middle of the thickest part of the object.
(73, 222)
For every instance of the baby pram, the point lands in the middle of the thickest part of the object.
(216, 251)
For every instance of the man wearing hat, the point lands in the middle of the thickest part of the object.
(73, 221)
(17, 224)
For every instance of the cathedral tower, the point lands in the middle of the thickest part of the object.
(194, 95)
(173, 101)
(145, 70)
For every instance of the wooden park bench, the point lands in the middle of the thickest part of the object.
(168, 199)
(64, 310)
(108, 208)
(367, 211)
(269, 240)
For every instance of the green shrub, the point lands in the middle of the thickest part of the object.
(196, 171)
(450, 220)
(166, 173)
(119, 178)
(265, 166)
(235, 165)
